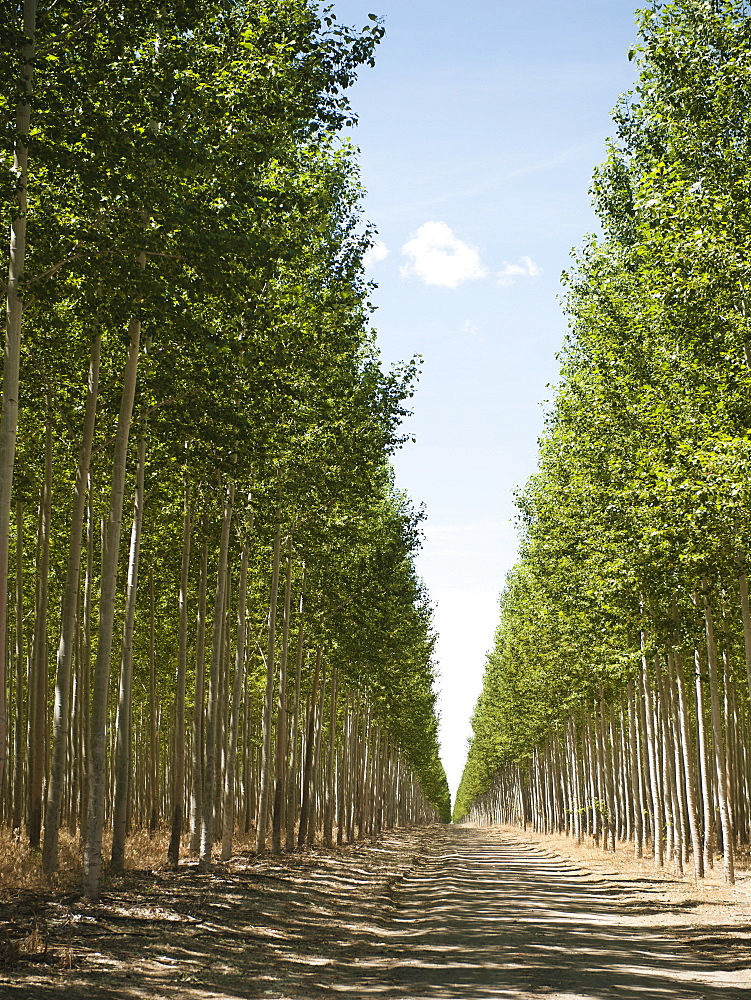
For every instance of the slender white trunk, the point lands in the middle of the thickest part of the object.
(728, 836)
(293, 780)
(38, 665)
(92, 858)
(281, 716)
(123, 734)
(68, 618)
(634, 772)
(178, 777)
(353, 769)
(746, 613)
(674, 786)
(153, 714)
(222, 727)
(341, 775)
(86, 659)
(329, 790)
(237, 699)
(196, 793)
(19, 730)
(12, 359)
(706, 793)
(314, 801)
(263, 803)
(212, 715)
(308, 765)
(689, 766)
(654, 781)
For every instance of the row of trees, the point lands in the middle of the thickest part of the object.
(188, 326)
(616, 700)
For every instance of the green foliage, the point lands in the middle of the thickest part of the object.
(642, 487)
(201, 137)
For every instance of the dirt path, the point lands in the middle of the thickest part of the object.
(483, 917)
(449, 914)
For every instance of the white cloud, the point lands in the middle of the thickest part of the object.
(526, 269)
(438, 257)
(378, 252)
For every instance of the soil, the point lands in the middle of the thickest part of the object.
(448, 913)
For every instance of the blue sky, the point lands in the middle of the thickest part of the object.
(479, 130)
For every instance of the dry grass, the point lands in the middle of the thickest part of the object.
(623, 858)
(21, 867)
(149, 934)
(312, 924)
(27, 894)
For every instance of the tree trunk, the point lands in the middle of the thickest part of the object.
(689, 766)
(634, 773)
(281, 717)
(92, 858)
(362, 748)
(314, 795)
(329, 789)
(196, 794)
(353, 770)
(293, 779)
(728, 836)
(674, 769)
(68, 618)
(746, 613)
(341, 774)
(706, 794)
(178, 777)
(12, 360)
(17, 819)
(38, 690)
(237, 699)
(652, 756)
(246, 768)
(123, 728)
(217, 641)
(222, 727)
(263, 803)
(86, 660)
(153, 717)
(308, 766)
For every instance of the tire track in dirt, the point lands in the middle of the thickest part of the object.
(487, 917)
(446, 914)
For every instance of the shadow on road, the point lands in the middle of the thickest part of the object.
(458, 915)
(483, 919)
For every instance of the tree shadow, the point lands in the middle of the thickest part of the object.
(467, 919)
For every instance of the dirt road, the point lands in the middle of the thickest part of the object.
(486, 918)
(450, 914)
